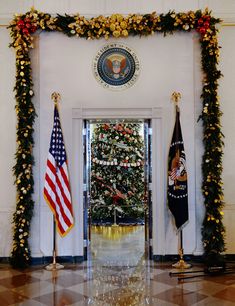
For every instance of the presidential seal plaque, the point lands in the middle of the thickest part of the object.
(116, 66)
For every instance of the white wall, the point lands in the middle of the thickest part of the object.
(162, 72)
(8, 142)
(72, 76)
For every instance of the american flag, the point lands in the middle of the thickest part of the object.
(56, 188)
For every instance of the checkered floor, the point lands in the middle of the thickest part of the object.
(92, 283)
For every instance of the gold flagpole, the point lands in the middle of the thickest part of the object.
(181, 264)
(54, 265)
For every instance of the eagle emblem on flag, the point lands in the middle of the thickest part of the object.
(177, 193)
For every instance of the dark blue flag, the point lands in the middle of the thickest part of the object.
(177, 193)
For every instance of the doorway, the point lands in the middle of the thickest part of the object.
(117, 189)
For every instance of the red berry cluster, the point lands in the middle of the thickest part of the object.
(203, 24)
(26, 26)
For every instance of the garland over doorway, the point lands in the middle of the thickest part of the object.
(22, 28)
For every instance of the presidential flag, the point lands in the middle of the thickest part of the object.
(177, 193)
(57, 188)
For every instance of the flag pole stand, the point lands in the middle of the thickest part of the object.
(55, 96)
(54, 265)
(181, 264)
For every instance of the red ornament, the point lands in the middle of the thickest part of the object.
(27, 20)
(200, 21)
(25, 31)
(115, 198)
(28, 25)
(202, 30)
(33, 29)
(203, 24)
(20, 24)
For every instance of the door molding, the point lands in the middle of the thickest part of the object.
(158, 167)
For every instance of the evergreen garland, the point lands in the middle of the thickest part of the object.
(22, 28)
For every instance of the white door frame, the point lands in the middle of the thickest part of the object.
(158, 168)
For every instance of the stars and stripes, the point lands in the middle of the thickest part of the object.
(56, 188)
(174, 173)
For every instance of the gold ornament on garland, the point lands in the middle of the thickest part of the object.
(22, 28)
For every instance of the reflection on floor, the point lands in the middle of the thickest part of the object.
(118, 277)
(117, 245)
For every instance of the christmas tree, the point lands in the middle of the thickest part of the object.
(117, 172)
